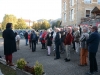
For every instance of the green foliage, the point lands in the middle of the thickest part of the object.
(35, 25)
(45, 25)
(8, 18)
(21, 63)
(28, 27)
(41, 25)
(38, 68)
(56, 24)
(20, 24)
(53, 25)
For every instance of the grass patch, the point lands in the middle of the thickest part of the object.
(7, 70)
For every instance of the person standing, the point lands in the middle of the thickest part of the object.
(49, 43)
(67, 41)
(17, 41)
(37, 32)
(93, 43)
(33, 40)
(29, 39)
(84, 48)
(9, 43)
(76, 39)
(26, 37)
(57, 43)
(80, 29)
(43, 39)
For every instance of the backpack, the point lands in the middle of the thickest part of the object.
(34, 36)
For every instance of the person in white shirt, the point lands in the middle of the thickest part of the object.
(17, 40)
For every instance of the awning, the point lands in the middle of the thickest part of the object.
(96, 10)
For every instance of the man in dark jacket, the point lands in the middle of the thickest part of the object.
(33, 40)
(26, 37)
(93, 43)
(9, 43)
(57, 43)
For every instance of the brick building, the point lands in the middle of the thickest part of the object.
(73, 11)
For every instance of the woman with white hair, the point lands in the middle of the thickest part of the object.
(57, 43)
(76, 39)
(84, 49)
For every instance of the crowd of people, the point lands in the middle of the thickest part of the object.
(84, 40)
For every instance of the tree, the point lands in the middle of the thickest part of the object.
(20, 24)
(39, 24)
(8, 18)
(28, 27)
(45, 25)
(58, 23)
(53, 25)
(35, 25)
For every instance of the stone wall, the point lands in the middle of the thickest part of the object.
(79, 11)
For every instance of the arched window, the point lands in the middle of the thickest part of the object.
(72, 15)
(71, 2)
(64, 5)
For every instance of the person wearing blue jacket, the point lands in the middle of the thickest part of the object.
(93, 43)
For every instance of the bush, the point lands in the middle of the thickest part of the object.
(38, 68)
(21, 63)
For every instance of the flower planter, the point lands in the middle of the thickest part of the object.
(23, 69)
(22, 72)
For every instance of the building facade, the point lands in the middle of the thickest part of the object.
(74, 10)
(28, 22)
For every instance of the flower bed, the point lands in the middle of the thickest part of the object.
(23, 69)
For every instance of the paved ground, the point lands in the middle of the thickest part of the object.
(51, 66)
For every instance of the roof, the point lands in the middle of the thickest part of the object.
(96, 10)
(27, 20)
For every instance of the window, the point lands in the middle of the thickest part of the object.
(64, 17)
(64, 5)
(88, 13)
(98, 1)
(72, 15)
(71, 2)
(87, 1)
(94, 0)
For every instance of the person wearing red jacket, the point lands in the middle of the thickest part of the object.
(29, 38)
(67, 42)
(43, 39)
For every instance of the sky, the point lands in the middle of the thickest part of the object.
(31, 9)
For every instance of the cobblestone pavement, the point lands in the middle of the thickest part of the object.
(51, 66)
